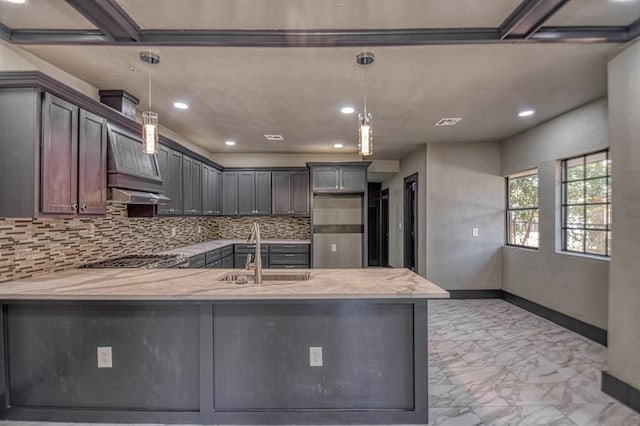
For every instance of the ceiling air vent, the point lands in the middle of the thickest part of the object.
(448, 121)
(274, 137)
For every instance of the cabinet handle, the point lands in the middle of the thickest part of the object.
(74, 207)
(84, 207)
(289, 255)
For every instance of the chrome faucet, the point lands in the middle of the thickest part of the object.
(257, 263)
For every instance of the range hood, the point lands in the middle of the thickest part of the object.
(131, 196)
(133, 176)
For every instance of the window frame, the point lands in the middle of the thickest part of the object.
(564, 204)
(508, 210)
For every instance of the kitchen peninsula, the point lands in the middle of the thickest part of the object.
(187, 346)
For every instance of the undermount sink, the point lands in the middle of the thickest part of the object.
(266, 276)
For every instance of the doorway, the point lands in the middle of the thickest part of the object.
(384, 227)
(411, 222)
(374, 231)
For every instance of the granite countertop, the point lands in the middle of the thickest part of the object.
(204, 284)
(196, 249)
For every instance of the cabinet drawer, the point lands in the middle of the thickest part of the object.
(240, 260)
(250, 248)
(289, 259)
(213, 255)
(301, 266)
(215, 264)
(226, 251)
(227, 261)
(289, 248)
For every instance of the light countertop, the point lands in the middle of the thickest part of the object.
(196, 249)
(205, 284)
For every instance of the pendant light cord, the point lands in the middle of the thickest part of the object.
(149, 75)
(365, 90)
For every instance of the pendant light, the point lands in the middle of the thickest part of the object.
(149, 118)
(365, 119)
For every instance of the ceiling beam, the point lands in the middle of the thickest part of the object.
(633, 30)
(580, 35)
(110, 18)
(528, 18)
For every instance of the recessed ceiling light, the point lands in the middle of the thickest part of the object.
(230, 143)
(181, 105)
(338, 145)
(452, 121)
(526, 113)
(274, 137)
(348, 110)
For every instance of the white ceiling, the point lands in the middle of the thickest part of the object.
(318, 14)
(596, 12)
(42, 14)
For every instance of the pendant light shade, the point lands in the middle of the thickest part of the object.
(150, 132)
(365, 134)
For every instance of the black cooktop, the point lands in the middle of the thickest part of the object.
(139, 261)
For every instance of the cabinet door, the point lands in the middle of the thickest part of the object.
(230, 193)
(175, 171)
(325, 178)
(59, 157)
(227, 262)
(164, 158)
(92, 164)
(300, 193)
(281, 192)
(196, 187)
(206, 199)
(263, 193)
(246, 193)
(353, 179)
(187, 185)
(217, 191)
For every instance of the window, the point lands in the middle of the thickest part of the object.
(586, 204)
(522, 209)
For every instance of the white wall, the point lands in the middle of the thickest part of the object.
(624, 277)
(465, 191)
(574, 285)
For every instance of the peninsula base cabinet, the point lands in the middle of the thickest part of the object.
(216, 361)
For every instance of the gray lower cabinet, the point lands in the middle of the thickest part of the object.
(246, 193)
(290, 193)
(289, 256)
(227, 262)
(170, 163)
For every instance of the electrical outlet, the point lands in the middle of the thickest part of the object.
(315, 356)
(334, 247)
(104, 357)
(474, 232)
(173, 232)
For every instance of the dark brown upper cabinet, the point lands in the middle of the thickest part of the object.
(290, 193)
(246, 193)
(170, 164)
(345, 177)
(73, 160)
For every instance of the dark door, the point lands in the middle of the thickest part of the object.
(384, 228)
(281, 192)
(92, 164)
(263, 193)
(59, 178)
(175, 171)
(187, 185)
(246, 193)
(411, 222)
(300, 193)
(230, 193)
(373, 224)
(196, 187)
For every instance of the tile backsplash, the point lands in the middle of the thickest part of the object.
(34, 246)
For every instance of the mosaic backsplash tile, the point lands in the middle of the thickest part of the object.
(35, 246)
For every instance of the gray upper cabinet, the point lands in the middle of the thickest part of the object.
(73, 160)
(230, 193)
(211, 190)
(246, 193)
(290, 193)
(191, 186)
(350, 177)
(170, 163)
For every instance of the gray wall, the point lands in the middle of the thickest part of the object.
(465, 191)
(414, 162)
(624, 278)
(574, 285)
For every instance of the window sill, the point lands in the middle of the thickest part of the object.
(521, 247)
(584, 255)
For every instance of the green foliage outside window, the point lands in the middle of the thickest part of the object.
(522, 210)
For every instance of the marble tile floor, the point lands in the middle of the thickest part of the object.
(492, 363)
